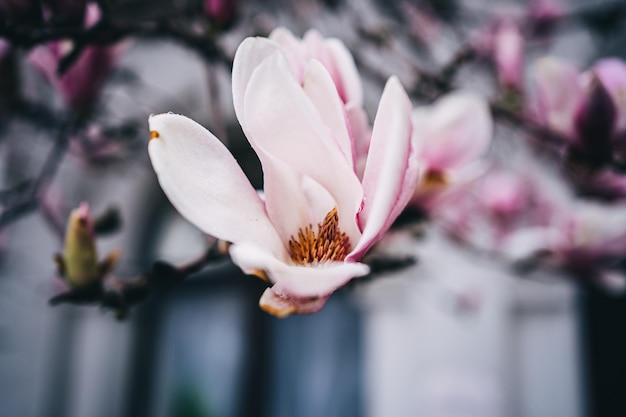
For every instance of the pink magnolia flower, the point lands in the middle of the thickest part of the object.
(562, 91)
(503, 43)
(81, 84)
(591, 236)
(317, 218)
(451, 136)
(589, 110)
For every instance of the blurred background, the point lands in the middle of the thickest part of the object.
(464, 332)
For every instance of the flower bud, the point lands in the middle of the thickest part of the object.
(222, 12)
(544, 16)
(594, 123)
(508, 55)
(80, 257)
(79, 263)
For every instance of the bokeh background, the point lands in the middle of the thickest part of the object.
(459, 334)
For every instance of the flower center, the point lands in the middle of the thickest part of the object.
(328, 245)
(434, 179)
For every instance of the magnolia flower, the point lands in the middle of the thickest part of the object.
(562, 92)
(450, 137)
(81, 84)
(589, 111)
(586, 241)
(317, 217)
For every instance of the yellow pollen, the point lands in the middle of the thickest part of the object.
(329, 244)
(154, 134)
(434, 179)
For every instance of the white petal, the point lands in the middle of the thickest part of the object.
(319, 87)
(293, 49)
(205, 184)
(351, 89)
(557, 94)
(296, 281)
(391, 168)
(249, 55)
(281, 306)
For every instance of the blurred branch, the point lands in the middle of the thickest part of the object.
(26, 196)
(116, 294)
(109, 31)
(599, 17)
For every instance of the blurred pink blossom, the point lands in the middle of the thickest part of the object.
(591, 237)
(543, 16)
(451, 137)
(222, 12)
(291, 106)
(508, 54)
(81, 84)
(561, 90)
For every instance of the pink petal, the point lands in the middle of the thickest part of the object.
(361, 133)
(204, 183)
(293, 49)
(282, 307)
(281, 121)
(557, 94)
(453, 132)
(249, 55)
(350, 87)
(320, 89)
(293, 280)
(391, 168)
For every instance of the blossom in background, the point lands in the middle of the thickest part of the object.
(503, 43)
(222, 12)
(79, 263)
(508, 55)
(317, 217)
(507, 211)
(543, 17)
(81, 84)
(564, 97)
(451, 136)
(589, 110)
(586, 240)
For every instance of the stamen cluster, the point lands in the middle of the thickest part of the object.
(329, 245)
